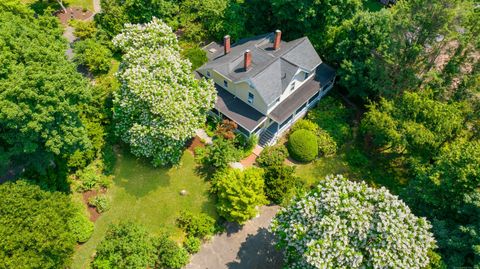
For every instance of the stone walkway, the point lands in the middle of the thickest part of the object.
(247, 247)
(203, 135)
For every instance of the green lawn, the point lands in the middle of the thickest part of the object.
(312, 172)
(150, 196)
(88, 4)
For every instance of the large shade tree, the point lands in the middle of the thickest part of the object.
(38, 229)
(40, 92)
(160, 103)
(346, 224)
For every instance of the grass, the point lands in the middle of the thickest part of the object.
(151, 197)
(38, 4)
(312, 173)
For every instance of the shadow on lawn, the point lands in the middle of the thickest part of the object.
(258, 252)
(138, 177)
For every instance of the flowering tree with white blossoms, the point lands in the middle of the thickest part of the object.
(346, 224)
(160, 103)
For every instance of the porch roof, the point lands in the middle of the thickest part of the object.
(237, 110)
(287, 107)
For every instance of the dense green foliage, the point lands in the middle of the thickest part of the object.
(415, 123)
(240, 193)
(332, 115)
(40, 94)
(83, 29)
(91, 177)
(429, 137)
(272, 156)
(200, 226)
(346, 224)
(38, 228)
(326, 145)
(219, 154)
(280, 183)
(160, 102)
(302, 145)
(92, 54)
(100, 202)
(192, 244)
(170, 254)
(126, 245)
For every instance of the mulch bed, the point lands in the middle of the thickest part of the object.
(195, 143)
(76, 13)
(94, 215)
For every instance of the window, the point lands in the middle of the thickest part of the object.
(250, 98)
(208, 74)
(306, 75)
(225, 83)
(292, 86)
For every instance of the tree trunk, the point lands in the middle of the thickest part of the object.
(60, 2)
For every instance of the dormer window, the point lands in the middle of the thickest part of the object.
(225, 83)
(208, 74)
(292, 86)
(306, 75)
(250, 97)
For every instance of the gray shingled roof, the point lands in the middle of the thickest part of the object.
(271, 70)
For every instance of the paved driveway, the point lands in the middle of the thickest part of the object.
(248, 247)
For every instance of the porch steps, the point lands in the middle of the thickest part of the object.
(265, 138)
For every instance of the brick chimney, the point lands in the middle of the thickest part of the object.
(226, 44)
(247, 59)
(277, 40)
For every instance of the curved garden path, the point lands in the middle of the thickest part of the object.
(247, 247)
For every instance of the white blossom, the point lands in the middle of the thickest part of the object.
(160, 103)
(346, 224)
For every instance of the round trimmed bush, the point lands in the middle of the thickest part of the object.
(303, 145)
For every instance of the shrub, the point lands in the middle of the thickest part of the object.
(100, 202)
(196, 55)
(326, 145)
(192, 244)
(331, 115)
(280, 182)
(95, 56)
(239, 193)
(226, 129)
(272, 156)
(357, 158)
(246, 144)
(91, 177)
(303, 146)
(126, 245)
(81, 226)
(304, 124)
(200, 225)
(220, 153)
(38, 229)
(83, 29)
(211, 125)
(170, 254)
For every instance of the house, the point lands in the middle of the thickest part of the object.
(265, 84)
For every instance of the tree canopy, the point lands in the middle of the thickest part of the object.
(40, 93)
(240, 193)
(160, 102)
(39, 229)
(126, 245)
(346, 224)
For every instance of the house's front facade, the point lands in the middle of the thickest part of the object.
(265, 84)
